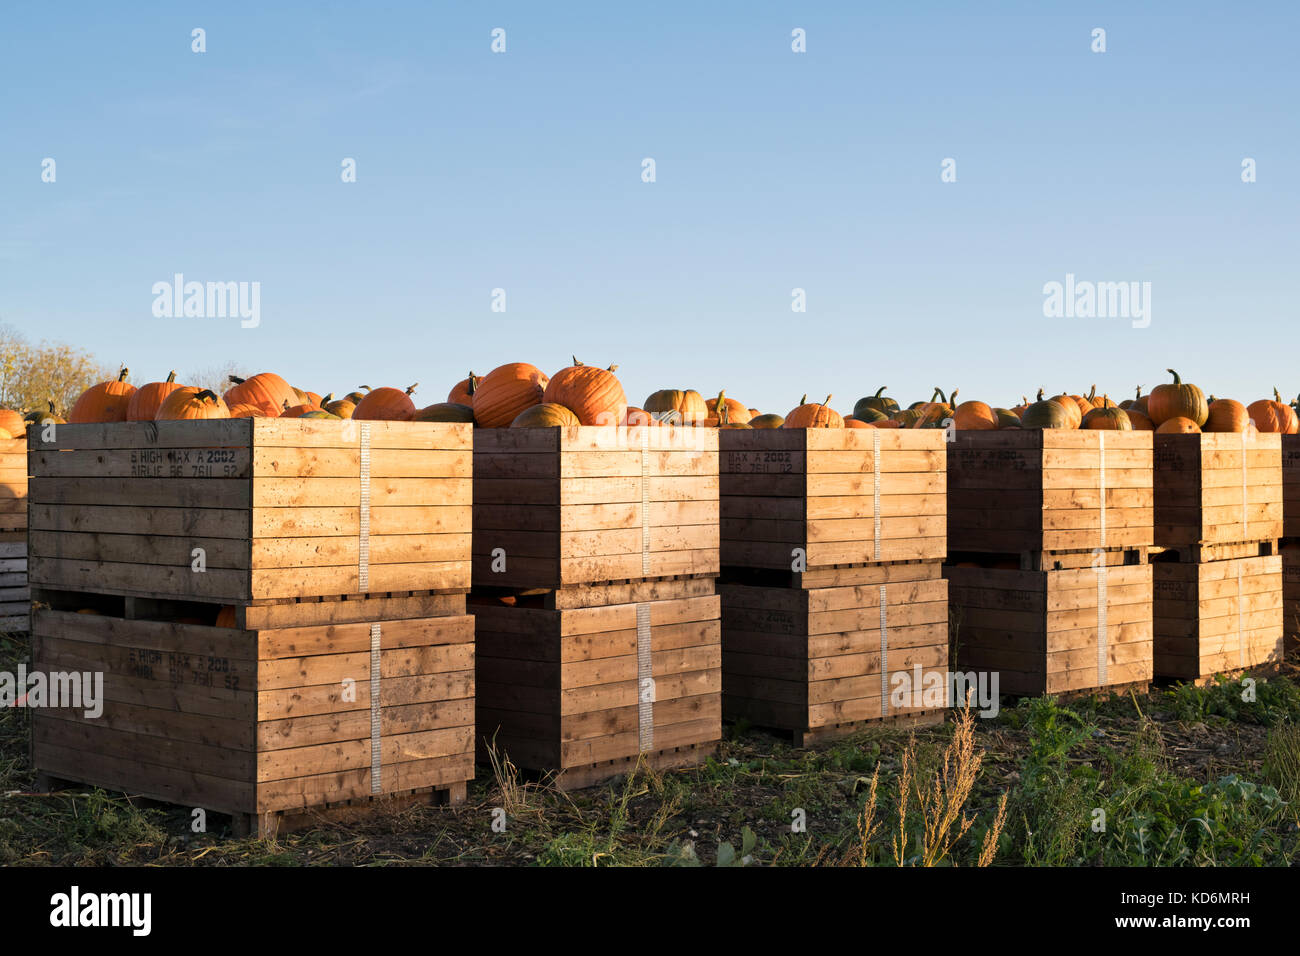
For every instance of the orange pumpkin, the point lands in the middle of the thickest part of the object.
(1226, 415)
(386, 405)
(1139, 421)
(462, 393)
(1073, 413)
(677, 406)
(1177, 400)
(813, 415)
(12, 421)
(737, 412)
(1178, 425)
(974, 416)
(1107, 416)
(105, 402)
(506, 391)
(147, 399)
(851, 422)
(247, 411)
(636, 417)
(188, 402)
(595, 395)
(1273, 415)
(266, 390)
(226, 617)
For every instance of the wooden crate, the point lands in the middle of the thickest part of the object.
(807, 499)
(560, 507)
(1290, 486)
(282, 508)
(1217, 616)
(14, 595)
(810, 660)
(1049, 490)
(1218, 488)
(1290, 551)
(1053, 632)
(589, 691)
(260, 722)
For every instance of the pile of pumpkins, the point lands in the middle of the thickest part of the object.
(520, 395)
(1174, 407)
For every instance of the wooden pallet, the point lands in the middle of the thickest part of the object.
(1217, 616)
(1218, 488)
(581, 687)
(281, 508)
(1053, 632)
(256, 722)
(809, 661)
(14, 595)
(1045, 490)
(1290, 551)
(1291, 486)
(561, 507)
(1226, 551)
(811, 499)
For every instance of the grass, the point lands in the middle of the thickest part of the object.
(1180, 777)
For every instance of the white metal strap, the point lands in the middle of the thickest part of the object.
(884, 653)
(376, 749)
(644, 681)
(363, 541)
(1101, 451)
(875, 494)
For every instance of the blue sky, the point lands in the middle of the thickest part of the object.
(775, 170)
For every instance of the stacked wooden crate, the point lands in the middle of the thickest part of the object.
(834, 610)
(277, 607)
(1290, 546)
(595, 558)
(1218, 569)
(1048, 532)
(15, 599)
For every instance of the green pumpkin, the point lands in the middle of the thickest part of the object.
(445, 412)
(1045, 414)
(545, 415)
(870, 415)
(1110, 419)
(767, 421)
(319, 413)
(875, 403)
(1006, 418)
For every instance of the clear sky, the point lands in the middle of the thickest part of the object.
(774, 170)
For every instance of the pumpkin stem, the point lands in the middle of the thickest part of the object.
(612, 369)
(411, 390)
(236, 380)
(1040, 395)
(722, 408)
(473, 383)
(326, 400)
(1276, 395)
(286, 405)
(575, 360)
(952, 398)
(208, 395)
(1139, 393)
(879, 390)
(171, 376)
(366, 387)
(1177, 380)
(50, 402)
(1092, 396)
(804, 400)
(121, 376)
(939, 393)
(827, 403)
